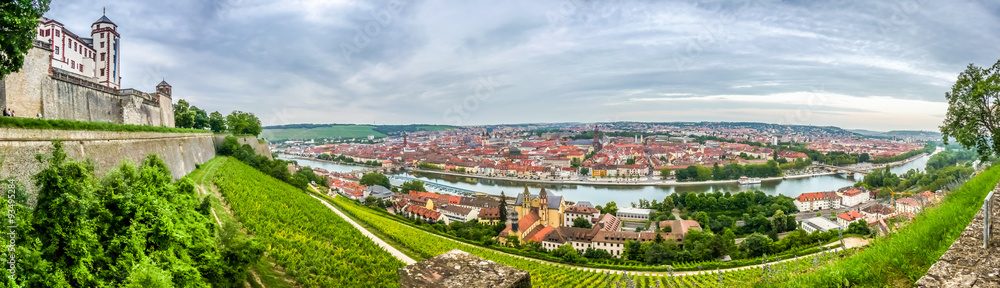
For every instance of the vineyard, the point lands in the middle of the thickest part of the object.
(316, 247)
(556, 275)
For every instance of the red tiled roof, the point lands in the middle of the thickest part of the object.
(852, 192)
(850, 215)
(581, 210)
(423, 212)
(538, 233)
(527, 220)
(816, 196)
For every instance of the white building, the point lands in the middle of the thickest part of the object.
(845, 219)
(908, 205)
(819, 224)
(95, 58)
(817, 201)
(459, 213)
(853, 197)
(573, 212)
(633, 214)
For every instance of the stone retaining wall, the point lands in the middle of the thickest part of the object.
(180, 151)
(967, 263)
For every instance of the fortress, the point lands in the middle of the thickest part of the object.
(66, 76)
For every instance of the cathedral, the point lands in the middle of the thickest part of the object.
(534, 216)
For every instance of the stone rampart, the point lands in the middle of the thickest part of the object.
(182, 152)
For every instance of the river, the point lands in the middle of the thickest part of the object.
(627, 194)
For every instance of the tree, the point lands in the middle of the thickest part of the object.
(216, 122)
(183, 116)
(243, 123)
(200, 118)
(972, 110)
(664, 173)
(610, 208)
(858, 228)
(668, 205)
(503, 208)
(19, 19)
(756, 245)
(597, 254)
(372, 179)
(566, 252)
(778, 222)
(702, 218)
(415, 185)
(632, 250)
(581, 222)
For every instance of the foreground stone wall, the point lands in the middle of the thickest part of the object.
(967, 263)
(180, 151)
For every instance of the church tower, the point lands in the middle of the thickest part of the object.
(105, 35)
(543, 206)
(526, 200)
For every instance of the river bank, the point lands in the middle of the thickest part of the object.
(611, 183)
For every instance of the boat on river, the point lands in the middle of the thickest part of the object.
(748, 181)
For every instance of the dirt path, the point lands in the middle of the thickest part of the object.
(392, 250)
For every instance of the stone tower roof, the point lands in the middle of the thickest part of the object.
(104, 19)
(162, 83)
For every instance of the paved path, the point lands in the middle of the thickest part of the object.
(392, 250)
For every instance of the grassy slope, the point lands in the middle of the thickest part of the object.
(203, 178)
(316, 247)
(902, 258)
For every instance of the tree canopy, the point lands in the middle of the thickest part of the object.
(973, 104)
(133, 227)
(372, 179)
(19, 19)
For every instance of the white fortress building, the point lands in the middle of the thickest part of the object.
(95, 57)
(71, 77)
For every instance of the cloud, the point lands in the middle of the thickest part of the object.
(880, 64)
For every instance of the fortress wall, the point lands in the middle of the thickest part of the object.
(180, 151)
(58, 95)
(22, 91)
(74, 102)
(260, 148)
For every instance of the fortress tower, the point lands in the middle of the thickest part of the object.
(105, 43)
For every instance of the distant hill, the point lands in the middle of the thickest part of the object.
(926, 135)
(330, 131)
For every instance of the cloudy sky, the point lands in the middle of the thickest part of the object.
(853, 64)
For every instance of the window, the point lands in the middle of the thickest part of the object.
(57, 50)
(102, 71)
(41, 32)
(102, 44)
(57, 33)
(102, 35)
(81, 68)
(102, 56)
(72, 63)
